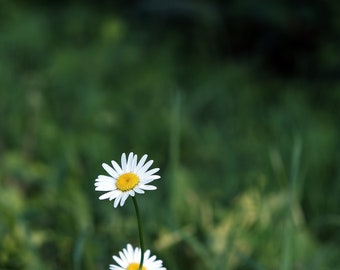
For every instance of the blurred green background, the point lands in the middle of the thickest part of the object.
(236, 101)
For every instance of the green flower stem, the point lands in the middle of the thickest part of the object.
(140, 233)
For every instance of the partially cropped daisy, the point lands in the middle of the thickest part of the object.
(129, 259)
(127, 179)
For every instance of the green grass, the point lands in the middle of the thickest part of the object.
(249, 161)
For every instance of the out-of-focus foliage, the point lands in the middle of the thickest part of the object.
(237, 103)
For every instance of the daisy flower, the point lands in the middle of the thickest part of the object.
(127, 179)
(129, 259)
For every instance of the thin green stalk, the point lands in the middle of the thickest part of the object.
(140, 233)
(174, 150)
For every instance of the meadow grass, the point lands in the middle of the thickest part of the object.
(249, 161)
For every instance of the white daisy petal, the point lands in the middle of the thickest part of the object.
(118, 260)
(121, 255)
(152, 258)
(104, 181)
(105, 187)
(124, 197)
(129, 250)
(110, 170)
(147, 254)
(151, 178)
(117, 200)
(139, 190)
(106, 195)
(118, 169)
(114, 267)
(132, 255)
(123, 161)
(115, 194)
(145, 167)
(151, 172)
(148, 187)
(134, 163)
(129, 162)
(105, 177)
(141, 163)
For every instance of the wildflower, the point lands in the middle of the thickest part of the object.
(129, 259)
(126, 180)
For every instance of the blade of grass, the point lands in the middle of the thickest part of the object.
(289, 230)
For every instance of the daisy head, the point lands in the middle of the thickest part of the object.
(127, 179)
(129, 259)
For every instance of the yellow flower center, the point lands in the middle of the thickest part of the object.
(134, 266)
(127, 181)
